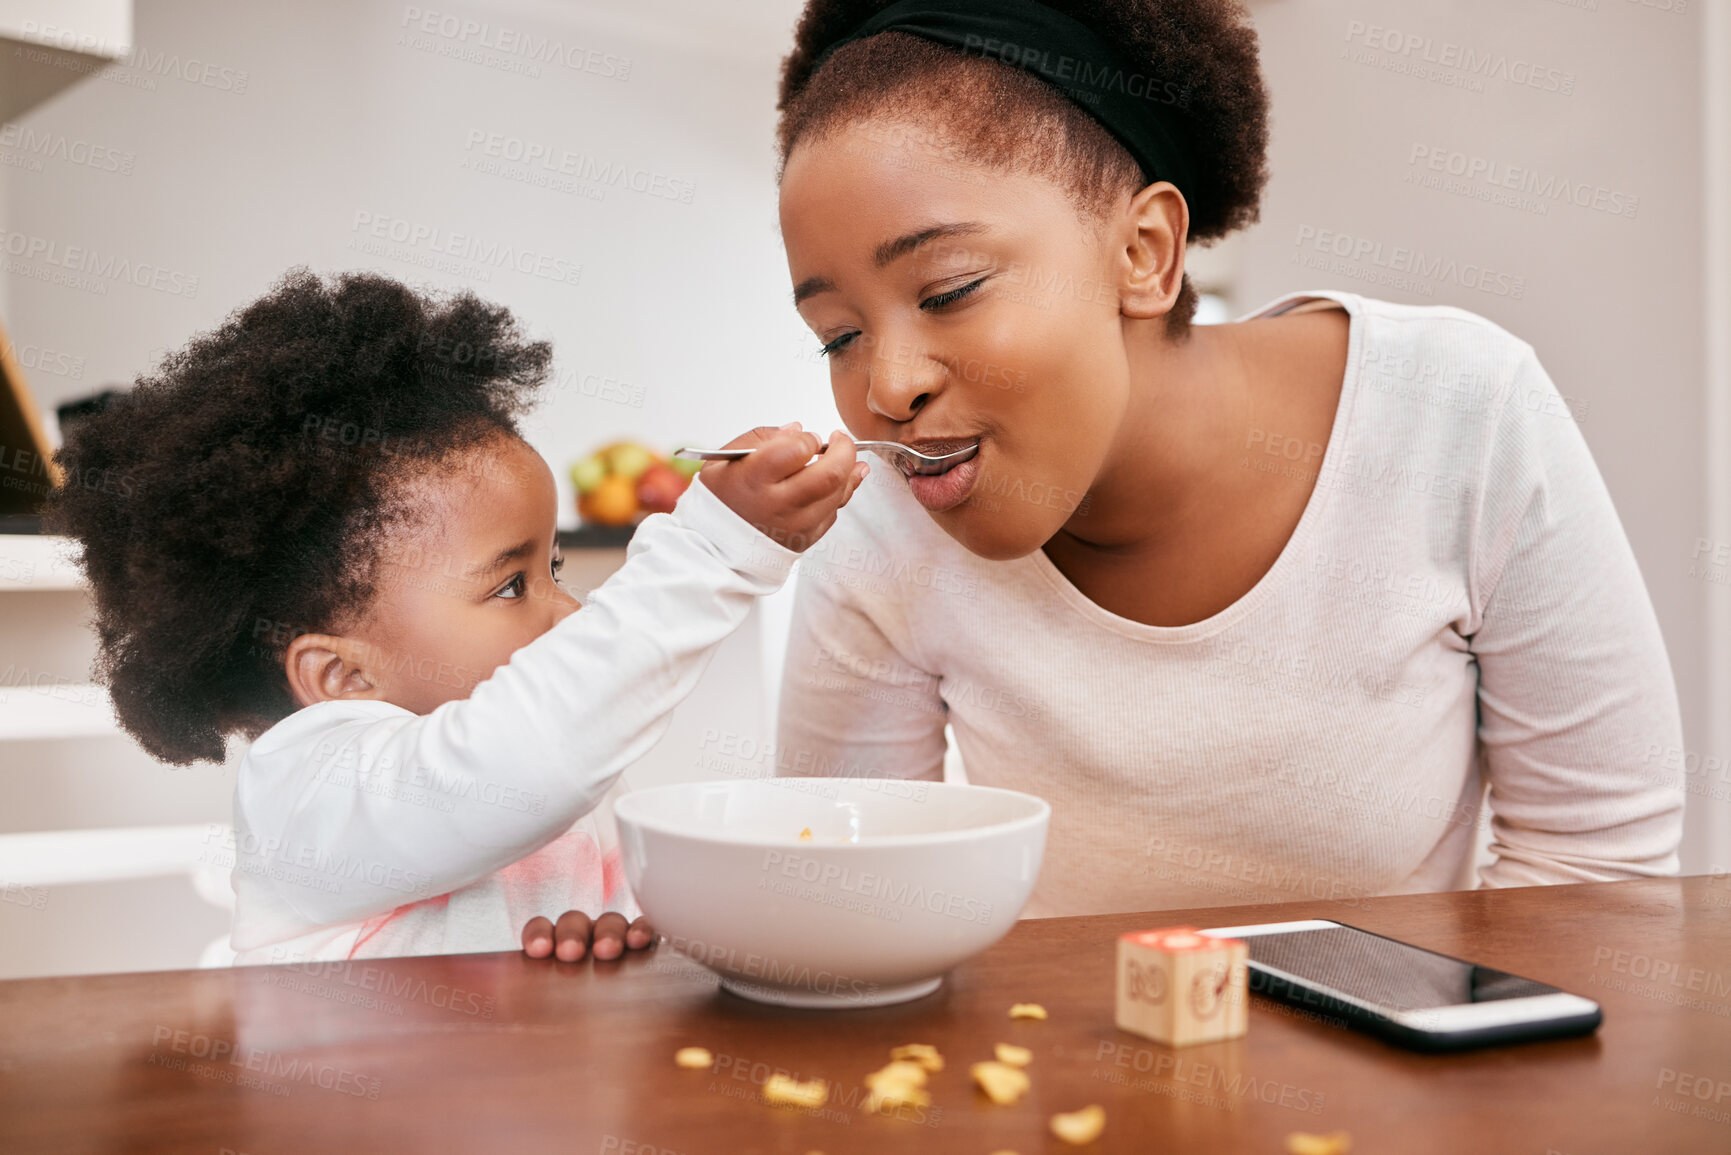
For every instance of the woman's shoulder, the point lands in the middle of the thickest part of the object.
(1431, 343)
(1450, 376)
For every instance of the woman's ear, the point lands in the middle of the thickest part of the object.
(1151, 264)
(325, 667)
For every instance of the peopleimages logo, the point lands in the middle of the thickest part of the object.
(1367, 259)
(879, 887)
(58, 146)
(167, 1042)
(515, 42)
(1496, 176)
(89, 269)
(772, 972)
(1077, 76)
(580, 166)
(439, 242)
(1460, 58)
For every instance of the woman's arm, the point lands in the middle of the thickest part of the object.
(383, 807)
(853, 704)
(1578, 712)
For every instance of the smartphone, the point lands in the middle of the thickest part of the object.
(1410, 996)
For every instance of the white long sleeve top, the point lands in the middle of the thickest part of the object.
(363, 830)
(1457, 608)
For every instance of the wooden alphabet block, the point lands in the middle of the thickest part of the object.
(1179, 987)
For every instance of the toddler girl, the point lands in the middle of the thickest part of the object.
(319, 528)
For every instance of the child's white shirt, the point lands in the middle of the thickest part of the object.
(365, 830)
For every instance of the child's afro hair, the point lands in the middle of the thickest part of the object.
(241, 494)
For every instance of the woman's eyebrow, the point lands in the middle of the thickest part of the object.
(902, 246)
(811, 287)
(892, 251)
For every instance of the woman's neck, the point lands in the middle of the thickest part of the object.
(1190, 405)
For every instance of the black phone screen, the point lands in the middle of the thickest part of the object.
(1391, 975)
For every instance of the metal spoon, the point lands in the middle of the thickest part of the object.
(904, 458)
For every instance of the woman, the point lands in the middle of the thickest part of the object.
(1261, 608)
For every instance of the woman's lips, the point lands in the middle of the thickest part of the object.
(938, 492)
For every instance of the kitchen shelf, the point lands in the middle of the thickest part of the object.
(66, 857)
(31, 713)
(596, 537)
(30, 560)
(34, 561)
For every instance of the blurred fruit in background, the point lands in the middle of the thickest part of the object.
(627, 481)
(659, 487)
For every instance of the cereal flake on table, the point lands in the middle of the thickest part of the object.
(693, 1058)
(787, 1091)
(1079, 1128)
(1012, 1055)
(896, 1083)
(924, 1054)
(1002, 1083)
(1027, 1011)
(1304, 1143)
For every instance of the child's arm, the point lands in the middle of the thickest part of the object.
(352, 807)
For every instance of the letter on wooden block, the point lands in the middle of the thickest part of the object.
(1178, 986)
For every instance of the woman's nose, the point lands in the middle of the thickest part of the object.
(902, 377)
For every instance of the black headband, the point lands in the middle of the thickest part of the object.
(1141, 111)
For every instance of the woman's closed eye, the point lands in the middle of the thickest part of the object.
(945, 299)
(837, 345)
(937, 301)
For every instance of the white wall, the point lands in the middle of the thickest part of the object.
(1716, 302)
(240, 139)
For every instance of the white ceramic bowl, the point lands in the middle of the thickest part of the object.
(899, 882)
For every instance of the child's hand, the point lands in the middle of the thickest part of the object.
(569, 940)
(789, 502)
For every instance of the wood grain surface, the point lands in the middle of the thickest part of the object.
(497, 1053)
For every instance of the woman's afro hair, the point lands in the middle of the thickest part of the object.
(1001, 116)
(241, 494)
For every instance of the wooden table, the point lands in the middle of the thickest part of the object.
(495, 1053)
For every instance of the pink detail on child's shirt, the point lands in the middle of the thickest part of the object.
(573, 857)
(612, 878)
(569, 873)
(379, 922)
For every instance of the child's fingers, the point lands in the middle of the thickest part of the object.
(855, 480)
(787, 439)
(828, 476)
(777, 453)
(571, 935)
(609, 936)
(538, 937)
(781, 457)
(640, 935)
